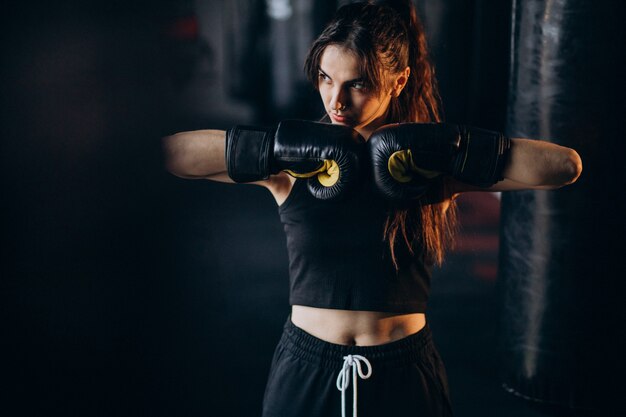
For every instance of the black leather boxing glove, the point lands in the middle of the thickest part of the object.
(406, 157)
(328, 155)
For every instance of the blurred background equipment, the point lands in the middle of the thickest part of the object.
(126, 291)
(562, 323)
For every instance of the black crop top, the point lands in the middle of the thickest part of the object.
(339, 260)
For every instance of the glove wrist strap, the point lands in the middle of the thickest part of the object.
(248, 153)
(483, 156)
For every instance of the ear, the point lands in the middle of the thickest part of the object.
(400, 82)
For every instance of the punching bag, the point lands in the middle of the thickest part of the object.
(561, 267)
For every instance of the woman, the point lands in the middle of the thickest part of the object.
(358, 304)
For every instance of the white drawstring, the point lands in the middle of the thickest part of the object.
(343, 379)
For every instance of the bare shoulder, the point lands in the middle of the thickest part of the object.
(280, 186)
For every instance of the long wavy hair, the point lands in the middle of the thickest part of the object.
(387, 37)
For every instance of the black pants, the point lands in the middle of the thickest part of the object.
(407, 379)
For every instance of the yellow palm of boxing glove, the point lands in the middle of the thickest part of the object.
(403, 169)
(327, 173)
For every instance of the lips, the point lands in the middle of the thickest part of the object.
(339, 119)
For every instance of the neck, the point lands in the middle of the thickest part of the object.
(367, 130)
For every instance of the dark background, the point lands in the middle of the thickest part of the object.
(128, 292)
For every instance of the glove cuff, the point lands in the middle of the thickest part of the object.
(248, 153)
(484, 156)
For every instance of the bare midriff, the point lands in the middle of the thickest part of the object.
(356, 328)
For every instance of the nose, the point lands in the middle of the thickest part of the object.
(338, 100)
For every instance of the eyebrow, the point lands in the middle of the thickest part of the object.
(355, 80)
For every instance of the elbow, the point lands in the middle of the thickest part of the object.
(541, 165)
(172, 157)
(168, 154)
(570, 167)
(573, 167)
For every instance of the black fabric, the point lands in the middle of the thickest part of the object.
(338, 258)
(408, 378)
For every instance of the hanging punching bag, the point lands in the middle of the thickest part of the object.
(562, 252)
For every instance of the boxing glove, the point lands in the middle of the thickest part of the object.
(407, 157)
(328, 155)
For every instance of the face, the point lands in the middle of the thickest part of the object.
(346, 97)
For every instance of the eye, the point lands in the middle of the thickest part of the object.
(323, 77)
(358, 85)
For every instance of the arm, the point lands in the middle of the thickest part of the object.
(406, 156)
(200, 154)
(196, 154)
(326, 155)
(536, 165)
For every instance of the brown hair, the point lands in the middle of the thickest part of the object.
(387, 37)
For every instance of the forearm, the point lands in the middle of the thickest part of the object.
(196, 154)
(542, 164)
